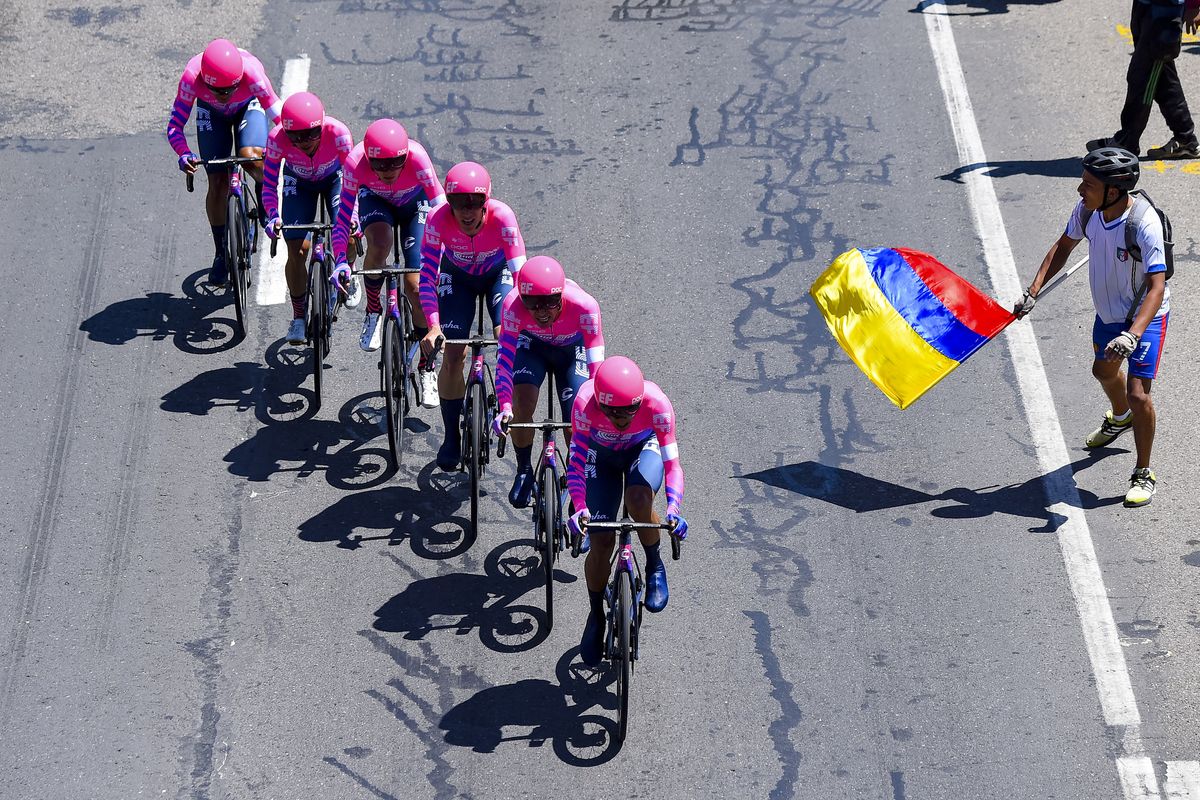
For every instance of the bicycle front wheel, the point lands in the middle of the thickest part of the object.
(318, 305)
(546, 517)
(475, 431)
(236, 257)
(394, 375)
(624, 653)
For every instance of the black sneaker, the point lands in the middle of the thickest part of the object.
(1109, 141)
(1175, 149)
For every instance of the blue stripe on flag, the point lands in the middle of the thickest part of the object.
(919, 306)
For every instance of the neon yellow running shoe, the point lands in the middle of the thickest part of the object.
(1141, 488)
(1109, 430)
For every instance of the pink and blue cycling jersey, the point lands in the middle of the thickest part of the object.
(334, 150)
(497, 242)
(595, 431)
(578, 323)
(255, 84)
(418, 174)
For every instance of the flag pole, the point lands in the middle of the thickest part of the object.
(1062, 277)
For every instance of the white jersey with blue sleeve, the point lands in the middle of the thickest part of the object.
(1115, 276)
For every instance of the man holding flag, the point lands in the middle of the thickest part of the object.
(1129, 291)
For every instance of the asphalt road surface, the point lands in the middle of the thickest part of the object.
(212, 591)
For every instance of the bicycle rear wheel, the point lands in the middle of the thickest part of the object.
(236, 257)
(394, 375)
(475, 432)
(547, 537)
(318, 307)
(624, 653)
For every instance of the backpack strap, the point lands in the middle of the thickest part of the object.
(1141, 206)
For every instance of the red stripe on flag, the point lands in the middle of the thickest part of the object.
(976, 310)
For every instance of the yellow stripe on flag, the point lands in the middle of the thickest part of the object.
(886, 348)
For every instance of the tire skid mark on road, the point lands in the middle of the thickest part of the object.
(198, 765)
(41, 533)
(790, 714)
(122, 516)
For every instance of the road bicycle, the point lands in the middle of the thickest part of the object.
(625, 596)
(324, 304)
(241, 230)
(549, 493)
(478, 411)
(399, 351)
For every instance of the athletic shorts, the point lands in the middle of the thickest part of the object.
(610, 472)
(410, 218)
(458, 291)
(1144, 361)
(217, 133)
(300, 199)
(568, 363)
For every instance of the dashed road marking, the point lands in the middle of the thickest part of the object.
(271, 287)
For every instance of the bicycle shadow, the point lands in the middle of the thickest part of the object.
(558, 714)
(861, 493)
(345, 449)
(465, 602)
(159, 315)
(273, 389)
(419, 515)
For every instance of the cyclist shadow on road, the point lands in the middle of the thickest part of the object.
(347, 450)
(861, 493)
(559, 714)
(463, 602)
(186, 320)
(1068, 167)
(986, 7)
(423, 515)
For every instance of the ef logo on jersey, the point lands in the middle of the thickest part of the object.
(509, 235)
(589, 323)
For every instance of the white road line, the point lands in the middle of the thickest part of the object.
(1183, 780)
(271, 288)
(1074, 537)
(1137, 778)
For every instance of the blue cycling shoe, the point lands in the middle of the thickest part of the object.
(522, 488)
(591, 647)
(449, 454)
(656, 587)
(218, 274)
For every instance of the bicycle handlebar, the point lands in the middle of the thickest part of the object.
(311, 227)
(216, 162)
(546, 425)
(388, 271)
(475, 341)
(627, 524)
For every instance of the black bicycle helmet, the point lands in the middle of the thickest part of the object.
(1113, 166)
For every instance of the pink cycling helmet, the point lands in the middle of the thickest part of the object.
(541, 276)
(469, 178)
(301, 111)
(221, 64)
(619, 382)
(385, 138)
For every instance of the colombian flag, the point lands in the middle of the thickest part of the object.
(904, 317)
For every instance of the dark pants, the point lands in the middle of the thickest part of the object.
(1152, 77)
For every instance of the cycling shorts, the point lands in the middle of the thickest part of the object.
(410, 218)
(534, 358)
(217, 133)
(610, 472)
(300, 199)
(457, 291)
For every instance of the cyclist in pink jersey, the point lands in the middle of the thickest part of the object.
(234, 97)
(314, 147)
(472, 246)
(549, 323)
(390, 180)
(622, 447)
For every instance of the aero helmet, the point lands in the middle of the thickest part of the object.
(1113, 166)
(221, 64)
(540, 276)
(385, 138)
(469, 178)
(302, 111)
(619, 382)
